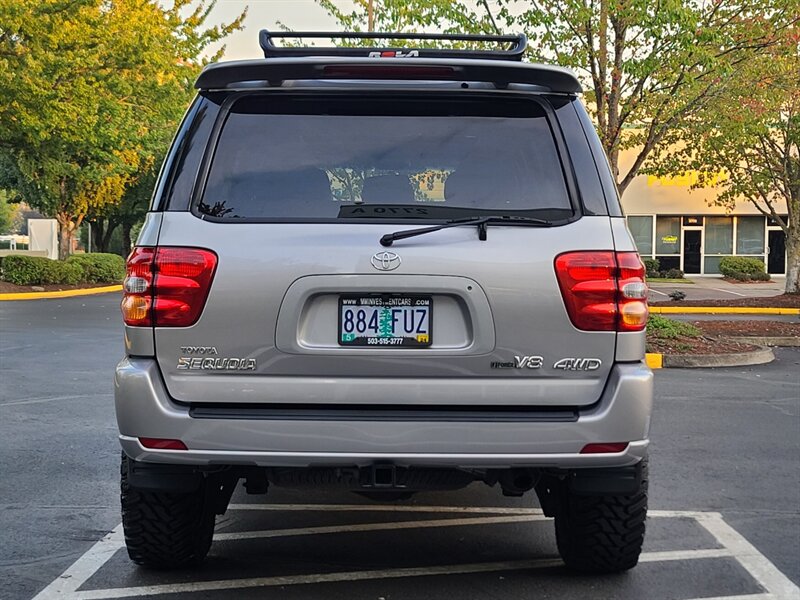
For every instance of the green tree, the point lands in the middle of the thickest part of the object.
(408, 16)
(650, 67)
(752, 136)
(8, 213)
(90, 90)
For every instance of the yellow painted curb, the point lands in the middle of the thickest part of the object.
(723, 310)
(654, 360)
(61, 294)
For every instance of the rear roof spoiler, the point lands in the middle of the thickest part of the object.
(516, 43)
(274, 71)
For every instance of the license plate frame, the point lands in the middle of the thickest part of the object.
(373, 303)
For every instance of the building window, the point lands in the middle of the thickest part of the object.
(641, 229)
(711, 264)
(719, 235)
(750, 235)
(668, 235)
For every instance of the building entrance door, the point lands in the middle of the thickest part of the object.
(692, 242)
(776, 260)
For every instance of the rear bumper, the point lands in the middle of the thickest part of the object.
(145, 409)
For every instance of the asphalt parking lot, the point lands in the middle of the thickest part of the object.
(714, 288)
(724, 521)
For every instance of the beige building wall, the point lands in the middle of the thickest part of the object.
(650, 195)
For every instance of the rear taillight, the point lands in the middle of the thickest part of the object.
(603, 290)
(167, 287)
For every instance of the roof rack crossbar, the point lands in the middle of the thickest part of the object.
(517, 42)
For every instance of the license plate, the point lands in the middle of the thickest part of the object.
(381, 320)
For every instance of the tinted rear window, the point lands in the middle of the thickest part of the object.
(323, 158)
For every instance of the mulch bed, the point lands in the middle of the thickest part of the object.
(781, 301)
(749, 328)
(697, 345)
(12, 288)
(719, 337)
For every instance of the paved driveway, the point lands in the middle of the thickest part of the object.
(724, 519)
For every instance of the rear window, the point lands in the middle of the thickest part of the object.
(338, 158)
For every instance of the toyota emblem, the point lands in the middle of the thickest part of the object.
(385, 261)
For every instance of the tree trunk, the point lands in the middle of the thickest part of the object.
(98, 229)
(793, 260)
(126, 237)
(66, 233)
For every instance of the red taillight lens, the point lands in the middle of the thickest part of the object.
(162, 444)
(603, 290)
(614, 447)
(167, 287)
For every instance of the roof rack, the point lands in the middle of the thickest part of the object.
(517, 42)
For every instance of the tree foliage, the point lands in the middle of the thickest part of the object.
(751, 134)
(651, 67)
(8, 213)
(90, 91)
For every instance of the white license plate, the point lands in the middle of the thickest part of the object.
(385, 320)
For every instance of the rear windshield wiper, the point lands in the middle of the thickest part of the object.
(480, 222)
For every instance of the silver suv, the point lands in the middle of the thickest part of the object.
(387, 270)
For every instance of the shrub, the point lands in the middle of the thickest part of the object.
(672, 274)
(24, 270)
(36, 270)
(99, 267)
(661, 327)
(760, 276)
(652, 267)
(61, 272)
(742, 268)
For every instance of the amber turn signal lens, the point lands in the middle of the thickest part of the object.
(135, 309)
(634, 314)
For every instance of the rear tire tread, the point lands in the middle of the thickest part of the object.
(602, 534)
(165, 530)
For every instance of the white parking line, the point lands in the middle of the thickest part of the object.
(761, 569)
(359, 527)
(657, 292)
(776, 585)
(495, 510)
(728, 291)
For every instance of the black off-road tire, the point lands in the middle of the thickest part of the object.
(602, 534)
(166, 530)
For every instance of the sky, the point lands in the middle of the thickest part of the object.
(296, 14)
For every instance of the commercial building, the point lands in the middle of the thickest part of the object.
(684, 229)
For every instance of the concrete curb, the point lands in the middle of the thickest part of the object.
(60, 294)
(723, 310)
(739, 359)
(775, 340)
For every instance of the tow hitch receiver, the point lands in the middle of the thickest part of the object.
(379, 476)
